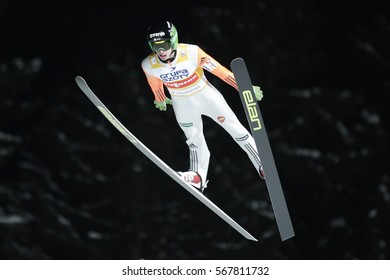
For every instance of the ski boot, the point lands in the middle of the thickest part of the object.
(194, 179)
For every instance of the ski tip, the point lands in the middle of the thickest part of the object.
(237, 62)
(237, 59)
(78, 78)
(80, 81)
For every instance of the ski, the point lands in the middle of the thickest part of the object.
(259, 133)
(157, 161)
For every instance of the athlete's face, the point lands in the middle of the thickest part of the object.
(165, 54)
(163, 49)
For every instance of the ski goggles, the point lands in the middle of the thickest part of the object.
(161, 45)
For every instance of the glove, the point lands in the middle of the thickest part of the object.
(258, 93)
(162, 105)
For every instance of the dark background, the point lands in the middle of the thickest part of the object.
(72, 187)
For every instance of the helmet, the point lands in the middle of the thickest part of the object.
(163, 36)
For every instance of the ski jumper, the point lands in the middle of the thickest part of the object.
(192, 96)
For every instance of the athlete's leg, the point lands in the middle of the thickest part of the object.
(190, 121)
(225, 117)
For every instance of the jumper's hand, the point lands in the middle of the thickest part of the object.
(258, 93)
(162, 105)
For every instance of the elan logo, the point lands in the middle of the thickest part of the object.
(250, 104)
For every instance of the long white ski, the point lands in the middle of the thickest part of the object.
(259, 133)
(161, 164)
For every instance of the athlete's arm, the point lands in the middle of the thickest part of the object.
(214, 67)
(157, 87)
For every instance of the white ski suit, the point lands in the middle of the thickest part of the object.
(192, 96)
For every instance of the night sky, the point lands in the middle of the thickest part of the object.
(72, 187)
